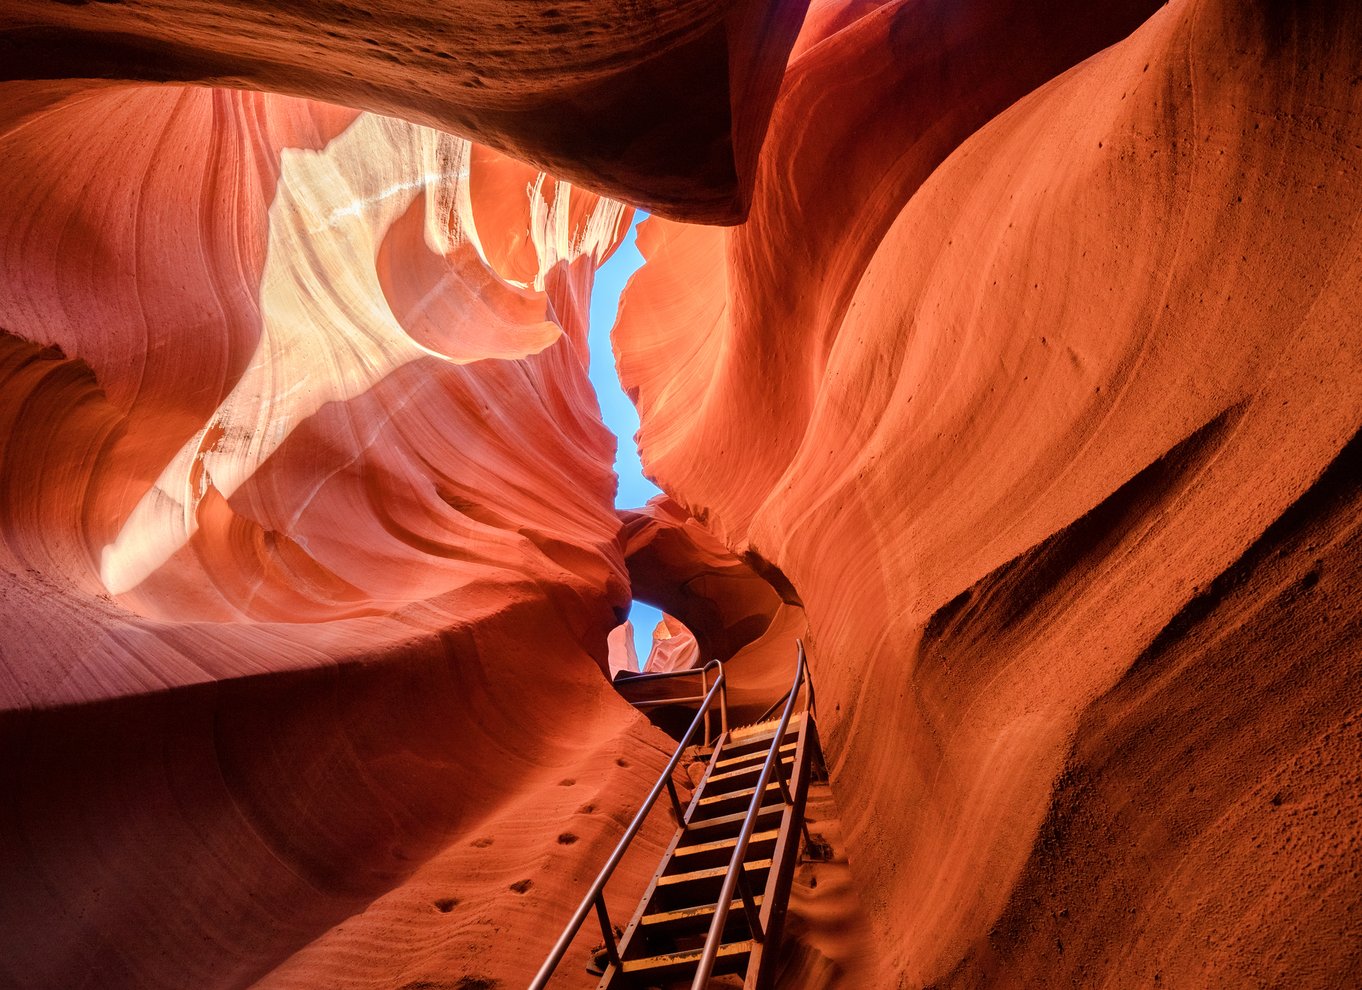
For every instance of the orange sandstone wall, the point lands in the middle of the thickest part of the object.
(678, 565)
(1040, 385)
(674, 647)
(663, 104)
(307, 549)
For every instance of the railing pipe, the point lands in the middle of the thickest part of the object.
(772, 710)
(736, 865)
(666, 674)
(612, 949)
(662, 702)
(704, 689)
(647, 703)
(750, 906)
(594, 896)
(812, 706)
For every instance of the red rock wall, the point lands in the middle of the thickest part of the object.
(1035, 384)
(307, 526)
(1033, 376)
(674, 647)
(664, 104)
(678, 565)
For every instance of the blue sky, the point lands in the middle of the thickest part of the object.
(616, 409)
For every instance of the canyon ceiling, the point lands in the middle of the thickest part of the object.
(1011, 354)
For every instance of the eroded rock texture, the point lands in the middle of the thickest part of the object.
(307, 523)
(718, 607)
(677, 564)
(1028, 395)
(1036, 371)
(664, 104)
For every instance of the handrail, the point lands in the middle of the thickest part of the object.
(595, 896)
(812, 705)
(689, 699)
(736, 874)
(663, 675)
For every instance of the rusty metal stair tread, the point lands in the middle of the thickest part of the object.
(708, 824)
(699, 911)
(690, 957)
(716, 871)
(755, 755)
(734, 795)
(702, 847)
(754, 768)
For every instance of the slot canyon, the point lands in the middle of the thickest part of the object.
(1003, 358)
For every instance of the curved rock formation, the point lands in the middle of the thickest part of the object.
(307, 521)
(674, 647)
(1031, 384)
(622, 655)
(662, 104)
(677, 564)
(1036, 390)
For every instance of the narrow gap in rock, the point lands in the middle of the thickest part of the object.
(618, 412)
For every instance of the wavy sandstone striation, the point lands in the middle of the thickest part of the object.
(1028, 395)
(674, 647)
(307, 523)
(1040, 387)
(663, 104)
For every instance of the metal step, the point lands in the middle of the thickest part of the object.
(730, 801)
(752, 767)
(719, 851)
(745, 735)
(756, 754)
(681, 890)
(686, 928)
(675, 879)
(701, 830)
(693, 918)
(732, 958)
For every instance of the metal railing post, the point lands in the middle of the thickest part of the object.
(780, 780)
(723, 702)
(750, 905)
(611, 948)
(677, 810)
(704, 689)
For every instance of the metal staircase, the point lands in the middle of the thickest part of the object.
(716, 903)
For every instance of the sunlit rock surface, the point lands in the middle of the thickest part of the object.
(674, 647)
(664, 104)
(622, 653)
(307, 523)
(1036, 371)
